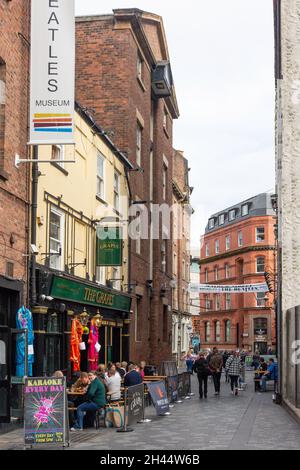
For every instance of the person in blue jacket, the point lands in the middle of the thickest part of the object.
(270, 374)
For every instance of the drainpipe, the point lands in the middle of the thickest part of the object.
(34, 191)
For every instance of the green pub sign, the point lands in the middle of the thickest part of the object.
(109, 246)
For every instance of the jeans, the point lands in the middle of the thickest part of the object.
(217, 381)
(263, 383)
(202, 379)
(87, 406)
(189, 365)
(234, 381)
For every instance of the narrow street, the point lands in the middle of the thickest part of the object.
(249, 422)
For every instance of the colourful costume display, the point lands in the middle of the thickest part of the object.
(93, 355)
(76, 339)
(24, 321)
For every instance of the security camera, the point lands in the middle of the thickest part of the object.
(34, 249)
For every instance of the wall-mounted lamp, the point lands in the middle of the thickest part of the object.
(98, 319)
(84, 317)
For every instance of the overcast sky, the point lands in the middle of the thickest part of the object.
(222, 61)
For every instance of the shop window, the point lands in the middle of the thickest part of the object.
(56, 239)
(2, 110)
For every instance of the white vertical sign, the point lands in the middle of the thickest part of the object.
(52, 72)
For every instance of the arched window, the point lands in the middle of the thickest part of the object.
(218, 331)
(227, 331)
(207, 332)
(2, 109)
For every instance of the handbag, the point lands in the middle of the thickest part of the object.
(114, 417)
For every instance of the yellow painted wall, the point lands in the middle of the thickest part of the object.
(78, 189)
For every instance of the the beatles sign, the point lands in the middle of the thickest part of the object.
(52, 71)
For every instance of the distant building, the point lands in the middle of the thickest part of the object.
(181, 316)
(238, 248)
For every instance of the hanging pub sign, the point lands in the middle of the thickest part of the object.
(45, 411)
(52, 74)
(109, 246)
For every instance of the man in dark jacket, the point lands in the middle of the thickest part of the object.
(201, 368)
(216, 365)
(132, 377)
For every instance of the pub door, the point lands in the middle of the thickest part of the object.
(5, 374)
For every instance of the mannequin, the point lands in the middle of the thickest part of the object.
(92, 353)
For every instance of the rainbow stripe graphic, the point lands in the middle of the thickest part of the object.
(52, 123)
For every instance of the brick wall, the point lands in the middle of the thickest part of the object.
(14, 187)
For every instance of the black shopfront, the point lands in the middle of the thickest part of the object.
(63, 298)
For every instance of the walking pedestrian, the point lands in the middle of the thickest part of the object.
(215, 365)
(234, 367)
(200, 367)
(225, 357)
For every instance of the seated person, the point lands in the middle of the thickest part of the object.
(132, 377)
(259, 372)
(81, 385)
(113, 383)
(95, 399)
(270, 374)
(120, 370)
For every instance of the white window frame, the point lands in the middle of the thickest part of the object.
(56, 262)
(101, 275)
(260, 299)
(227, 338)
(227, 242)
(231, 215)
(61, 152)
(260, 258)
(245, 210)
(101, 178)
(227, 271)
(139, 140)
(227, 301)
(139, 66)
(218, 302)
(165, 181)
(217, 247)
(221, 219)
(211, 223)
(240, 238)
(207, 331)
(216, 271)
(207, 249)
(117, 178)
(206, 275)
(257, 235)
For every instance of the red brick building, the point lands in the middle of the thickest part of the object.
(238, 248)
(14, 187)
(123, 77)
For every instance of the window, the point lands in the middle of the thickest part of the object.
(206, 275)
(206, 250)
(260, 324)
(260, 264)
(228, 301)
(183, 270)
(207, 331)
(117, 191)
(217, 246)
(260, 234)
(57, 153)
(166, 117)
(216, 273)
(211, 223)
(100, 176)
(231, 215)
(227, 331)
(245, 210)
(137, 321)
(221, 219)
(139, 131)
(240, 238)
(139, 67)
(218, 331)
(2, 109)
(260, 299)
(228, 242)
(207, 303)
(164, 256)
(227, 271)
(56, 239)
(101, 275)
(116, 275)
(165, 180)
(218, 302)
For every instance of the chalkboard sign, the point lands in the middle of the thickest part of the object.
(45, 411)
(135, 403)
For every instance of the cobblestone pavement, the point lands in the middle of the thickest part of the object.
(249, 421)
